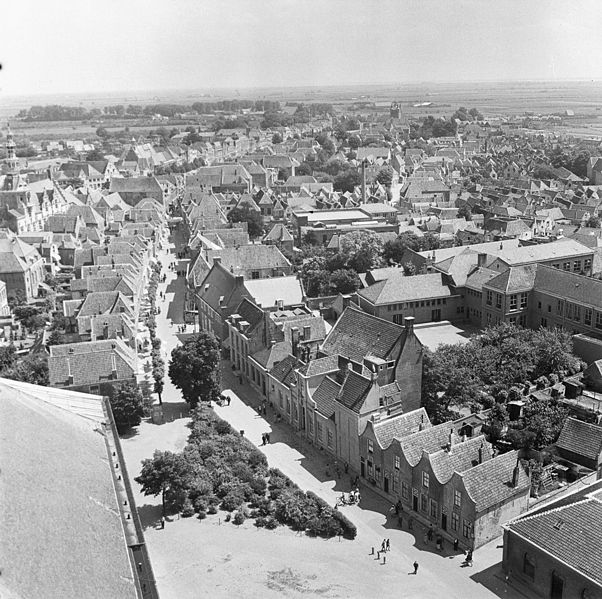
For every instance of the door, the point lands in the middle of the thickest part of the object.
(443, 521)
(386, 484)
(557, 587)
(436, 315)
(415, 503)
(363, 469)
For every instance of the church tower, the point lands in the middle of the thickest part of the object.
(11, 162)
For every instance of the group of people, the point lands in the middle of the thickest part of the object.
(265, 438)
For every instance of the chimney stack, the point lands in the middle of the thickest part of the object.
(450, 441)
(481, 454)
(516, 473)
(481, 259)
(306, 333)
(217, 260)
(408, 322)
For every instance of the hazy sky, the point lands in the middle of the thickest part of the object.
(54, 46)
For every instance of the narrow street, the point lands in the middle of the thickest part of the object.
(176, 551)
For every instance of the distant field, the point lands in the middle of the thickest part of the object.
(492, 99)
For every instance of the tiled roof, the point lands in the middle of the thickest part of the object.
(462, 456)
(572, 534)
(490, 483)
(269, 356)
(582, 438)
(249, 257)
(284, 371)
(325, 396)
(103, 302)
(400, 426)
(479, 277)
(357, 334)
(250, 312)
(431, 440)
(321, 366)
(565, 248)
(516, 278)
(574, 287)
(219, 283)
(400, 288)
(354, 390)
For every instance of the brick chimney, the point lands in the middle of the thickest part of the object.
(408, 322)
(481, 259)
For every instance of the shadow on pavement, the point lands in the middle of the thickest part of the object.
(175, 410)
(150, 516)
(494, 580)
(129, 434)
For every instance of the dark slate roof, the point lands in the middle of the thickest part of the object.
(357, 334)
(354, 390)
(325, 396)
(490, 483)
(581, 438)
(284, 371)
(400, 288)
(572, 534)
(321, 366)
(400, 426)
(250, 312)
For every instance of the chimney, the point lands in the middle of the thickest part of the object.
(450, 440)
(280, 304)
(306, 333)
(408, 322)
(240, 280)
(516, 473)
(481, 258)
(481, 454)
(421, 425)
(217, 260)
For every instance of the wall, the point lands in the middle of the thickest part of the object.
(488, 525)
(408, 373)
(451, 308)
(514, 551)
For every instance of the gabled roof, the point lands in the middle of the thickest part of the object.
(429, 440)
(284, 371)
(581, 438)
(357, 334)
(325, 396)
(462, 457)
(398, 427)
(518, 278)
(490, 483)
(353, 391)
(573, 287)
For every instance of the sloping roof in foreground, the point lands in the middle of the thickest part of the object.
(60, 525)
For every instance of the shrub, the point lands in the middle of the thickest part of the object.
(233, 500)
(260, 522)
(187, 508)
(202, 515)
(553, 378)
(514, 394)
(200, 504)
(258, 486)
(212, 509)
(239, 518)
(271, 523)
(223, 428)
(349, 528)
(228, 517)
(542, 382)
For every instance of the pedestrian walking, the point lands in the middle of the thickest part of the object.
(228, 400)
(383, 546)
(430, 533)
(346, 467)
(439, 543)
(267, 436)
(263, 439)
(415, 567)
(388, 545)
(410, 523)
(425, 538)
(456, 543)
(162, 522)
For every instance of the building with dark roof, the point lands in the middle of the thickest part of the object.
(554, 551)
(581, 442)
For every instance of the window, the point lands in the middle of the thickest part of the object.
(455, 521)
(566, 266)
(513, 302)
(467, 529)
(498, 300)
(423, 502)
(569, 310)
(310, 423)
(398, 318)
(577, 313)
(370, 468)
(395, 483)
(529, 566)
(587, 317)
(539, 305)
(457, 498)
(370, 446)
(329, 438)
(425, 479)
(523, 301)
(576, 265)
(489, 298)
(433, 508)
(587, 264)
(255, 274)
(377, 472)
(557, 265)
(397, 462)
(599, 320)
(405, 490)
(559, 307)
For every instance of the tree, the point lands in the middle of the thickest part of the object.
(361, 250)
(593, 222)
(393, 250)
(166, 474)
(194, 368)
(94, 155)
(33, 369)
(385, 176)
(251, 217)
(465, 212)
(544, 419)
(276, 138)
(347, 180)
(343, 281)
(127, 405)
(544, 171)
(496, 422)
(55, 338)
(7, 356)
(102, 133)
(354, 142)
